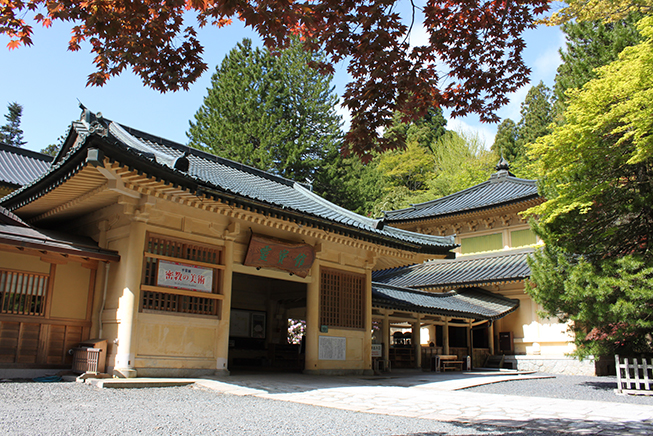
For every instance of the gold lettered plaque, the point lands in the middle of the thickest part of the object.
(274, 253)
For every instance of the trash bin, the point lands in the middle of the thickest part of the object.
(90, 356)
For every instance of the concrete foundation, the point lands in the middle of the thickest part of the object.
(553, 365)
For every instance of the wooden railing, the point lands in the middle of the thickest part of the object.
(634, 377)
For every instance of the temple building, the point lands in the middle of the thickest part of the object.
(494, 243)
(183, 263)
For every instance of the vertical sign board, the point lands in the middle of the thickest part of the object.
(377, 350)
(332, 348)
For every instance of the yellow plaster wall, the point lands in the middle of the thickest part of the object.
(354, 352)
(162, 337)
(71, 291)
(23, 262)
(533, 335)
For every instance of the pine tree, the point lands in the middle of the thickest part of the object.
(596, 173)
(275, 113)
(590, 44)
(536, 116)
(11, 133)
(505, 141)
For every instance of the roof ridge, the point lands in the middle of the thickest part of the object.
(485, 255)
(323, 201)
(417, 291)
(210, 157)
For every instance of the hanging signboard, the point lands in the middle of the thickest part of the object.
(286, 256)
(183, 276)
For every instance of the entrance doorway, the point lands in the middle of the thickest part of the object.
(265, 326)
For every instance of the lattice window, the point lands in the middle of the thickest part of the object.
(342, 299)
(158, 298)
(23, 293)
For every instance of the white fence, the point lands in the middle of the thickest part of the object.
(634, 377)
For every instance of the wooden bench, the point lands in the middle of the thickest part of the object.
(454, 365)
(447, 362)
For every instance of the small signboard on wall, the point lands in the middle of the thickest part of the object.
(332, 348)
(273, 253)
(184, 276)
(377, 350)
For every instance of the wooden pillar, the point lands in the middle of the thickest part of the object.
(417, 341)
(490, 333)
(367, 319)
(222, 360)
(470, 341)
(445, 336)
(313, 321)
(386, 335)
(132, 261)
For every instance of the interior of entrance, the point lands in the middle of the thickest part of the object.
(261, 337)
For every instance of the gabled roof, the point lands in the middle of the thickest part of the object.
(501, 189)
(16, 233)
(471, 303)
(19, 166)
(207, 175)
(464, 271)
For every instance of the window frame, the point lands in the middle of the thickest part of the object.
(337, 308)
(173, 301)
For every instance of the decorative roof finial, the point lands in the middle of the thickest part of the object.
(503, 165)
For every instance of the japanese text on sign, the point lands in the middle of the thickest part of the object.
(184, 276)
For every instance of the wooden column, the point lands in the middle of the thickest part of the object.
(367, 319)
(417, 341)
(313, 321)
(386, 335)
(490, 333)
(445, 336)
(132, 261)
(222, 361)
(470, 341)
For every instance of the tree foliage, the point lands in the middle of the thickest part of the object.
(11, 133)
(277, 114)
(590, 44)
(471, 63)
(271, 112)
(505, 141)
(453, 162)
(596, 171)
(598, 10)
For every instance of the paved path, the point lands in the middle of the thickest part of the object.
(435, 396)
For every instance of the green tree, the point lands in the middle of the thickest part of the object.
(536, 116)
(11, 133)
(596, 172)
(271, 112)
(505, 141)
(590, 44)
(416, 175)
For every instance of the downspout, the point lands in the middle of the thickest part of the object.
(107, 265)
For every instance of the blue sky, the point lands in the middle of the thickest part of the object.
(47, 80)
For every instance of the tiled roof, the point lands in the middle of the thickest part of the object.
(14, 232)
(466, 270)
(19, 166)
(216, 176)
(472, 303)
(501, 189)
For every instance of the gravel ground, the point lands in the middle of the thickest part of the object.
(32, 409)
(569, 387)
